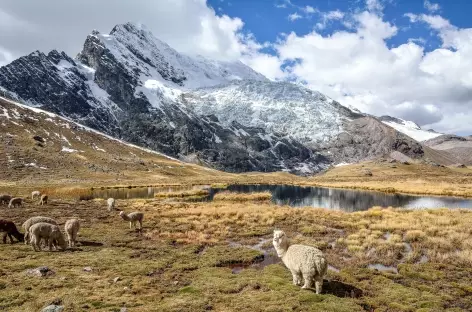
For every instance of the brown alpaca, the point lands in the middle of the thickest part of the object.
(9, 228)
(44, 199)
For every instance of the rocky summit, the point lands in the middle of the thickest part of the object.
(135, 87)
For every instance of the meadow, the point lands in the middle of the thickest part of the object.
(218, 256)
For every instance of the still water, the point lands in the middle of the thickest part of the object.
(298, 196)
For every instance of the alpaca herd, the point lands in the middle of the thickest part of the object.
(307, 264)
(44, 229)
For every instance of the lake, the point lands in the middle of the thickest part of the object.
(306, 196)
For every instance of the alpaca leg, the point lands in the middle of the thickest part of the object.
(297, 278)
(140, 224)
(308, 280)
(130, 223)
(69, 238)
(50, 243)
(318, 284)
(5, 238)
(26, 238)
(11, 238)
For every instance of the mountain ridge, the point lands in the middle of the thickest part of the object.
(225, 115)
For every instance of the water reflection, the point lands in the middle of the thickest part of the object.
(297, 196)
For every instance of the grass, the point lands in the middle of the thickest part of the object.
(188, 193)
(415, 178)
(183, 259)
(241, 197)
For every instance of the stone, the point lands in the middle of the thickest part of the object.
(88, 269)
(116, 279)
(40, 272)
(53, 308)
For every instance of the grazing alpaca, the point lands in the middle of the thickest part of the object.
(10, 229)
(49, 232)
(111, 204)
(35, 194)
(5, 199)
(44, 199)
(133, 218)
(33, 220)
(72, 227)
(15, 202)
(303, 261)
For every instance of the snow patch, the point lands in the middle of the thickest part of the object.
(68, 150)
(412, 130)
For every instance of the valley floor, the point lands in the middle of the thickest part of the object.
(206, 257)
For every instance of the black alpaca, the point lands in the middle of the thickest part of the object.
(9, 228)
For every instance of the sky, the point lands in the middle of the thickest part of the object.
(405, 58)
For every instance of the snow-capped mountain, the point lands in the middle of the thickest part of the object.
(135, 87)
(410, 128)
(280, 107)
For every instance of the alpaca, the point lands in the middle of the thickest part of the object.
(15, 202)
(44, 199)
(133, 218)
(303, 261)
(49, 232)
(35, 194)
(5, 199)
(111, 204)
(28, 223)
(10, 229)
(72, 226)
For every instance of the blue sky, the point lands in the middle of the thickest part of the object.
(266, 19)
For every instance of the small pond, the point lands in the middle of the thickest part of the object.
(298, 196)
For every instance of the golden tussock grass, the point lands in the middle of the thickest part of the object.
(188, 193)
(240, 197)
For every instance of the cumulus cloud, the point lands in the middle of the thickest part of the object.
(359, 69)
(190, 26)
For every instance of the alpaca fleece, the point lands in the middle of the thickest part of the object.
(49, 232)
(304, 262)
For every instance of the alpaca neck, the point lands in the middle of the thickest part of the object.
(282, 248)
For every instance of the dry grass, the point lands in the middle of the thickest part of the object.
(189, 193)
(182, 260)
(241, 197)
(398, 178)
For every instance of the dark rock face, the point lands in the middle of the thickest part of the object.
(367, 138)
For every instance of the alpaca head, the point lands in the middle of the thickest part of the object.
(123, 215)
(280, 242)
(59, 238)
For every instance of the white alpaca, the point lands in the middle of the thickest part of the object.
(133, 218)
(111, 204)
(49, 232)
(71, 227)
(28, 223)
(303, 261)
(35, 194)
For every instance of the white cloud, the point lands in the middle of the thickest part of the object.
(326, 17)
(189, 26)
(374, 5)
(283, 4)
(294, 16)
(309, 9)
(358, 68)
(5, 56)
(431, 7)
